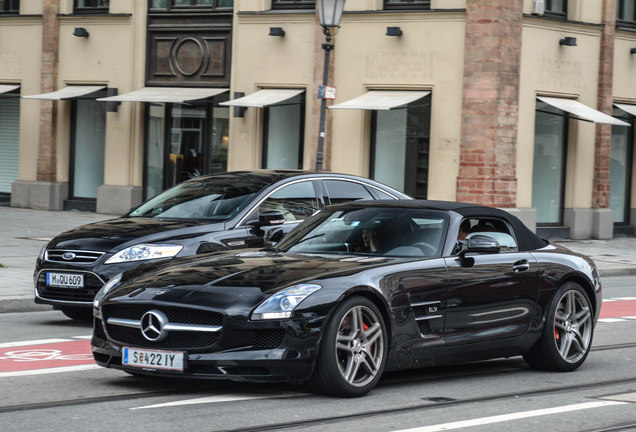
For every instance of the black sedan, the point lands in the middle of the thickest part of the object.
(217, 212)
(356, 290)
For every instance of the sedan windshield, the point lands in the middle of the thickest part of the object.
(209, 200)
(401, 232)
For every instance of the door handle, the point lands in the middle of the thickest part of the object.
(521, 266)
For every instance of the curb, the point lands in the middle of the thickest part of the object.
(22, 304)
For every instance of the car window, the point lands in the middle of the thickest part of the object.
(215, 201)
(492, 227)
(343, 191)
(383, 195)
(296, 201)
(371, 231)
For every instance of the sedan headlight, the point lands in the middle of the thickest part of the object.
(281, 305)
(112, 282)
(145, 252)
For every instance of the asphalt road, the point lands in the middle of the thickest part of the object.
(49, 383)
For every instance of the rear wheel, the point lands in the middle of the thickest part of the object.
(567, 336)
(78, 314)
(353, 350)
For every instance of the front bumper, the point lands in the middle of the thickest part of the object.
(290, 357)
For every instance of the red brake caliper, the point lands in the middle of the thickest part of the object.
(365, 327)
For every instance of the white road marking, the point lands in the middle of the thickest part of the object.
(221, 398)
(33, 342)
(513, 416)
(48, 371)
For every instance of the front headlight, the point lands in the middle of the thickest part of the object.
(42, 251)
(112, 282)
(145, 252)
(281, 305)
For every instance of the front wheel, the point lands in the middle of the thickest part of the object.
(353, 350)
(567, 336)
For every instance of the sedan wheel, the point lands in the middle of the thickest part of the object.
(567, 336)
(353, 351)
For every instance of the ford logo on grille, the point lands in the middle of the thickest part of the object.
(69, 256)
(153, 325)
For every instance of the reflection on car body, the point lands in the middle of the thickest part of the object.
(316, 308)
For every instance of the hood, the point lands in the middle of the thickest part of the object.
(106, 236)
(255, 275)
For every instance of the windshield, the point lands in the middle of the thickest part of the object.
(209, 200)
(400, 232)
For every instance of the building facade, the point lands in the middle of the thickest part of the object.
(524, 105)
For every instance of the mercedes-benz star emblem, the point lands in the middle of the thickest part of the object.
(152, 325)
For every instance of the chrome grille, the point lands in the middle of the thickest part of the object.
(72, 256)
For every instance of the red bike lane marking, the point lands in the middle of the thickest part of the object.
(618, 309)
(46, 356)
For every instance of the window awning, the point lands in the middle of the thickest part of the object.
(263, 98)
(69, 92)
(631, 109)
(166, 94)
(583, 112)
(6, 88)
(382, 100)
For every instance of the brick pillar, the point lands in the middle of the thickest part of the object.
(601, 191)
(490, 107)
(47, 161)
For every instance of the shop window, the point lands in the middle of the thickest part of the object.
(90, 6)
(283, 134)
(556, 8)
(293, 4)
(400, 147)
(407, 4)
(188, 5)
(626, 13)
(9, 140)
(548, 173)
(621, 168)
(184, 141)
(9, 6)
(87, 146)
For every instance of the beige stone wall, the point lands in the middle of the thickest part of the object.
(625, 82)
(550, 69)
(20, 64)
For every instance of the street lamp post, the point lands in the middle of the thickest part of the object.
(329, 14)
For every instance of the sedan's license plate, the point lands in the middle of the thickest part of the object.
(67, 280)
(153, 359)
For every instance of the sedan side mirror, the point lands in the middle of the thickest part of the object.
(271, 218)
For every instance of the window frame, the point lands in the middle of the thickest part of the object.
(11, 8)
(301, 133)
(293, 4)
(172, 8)
(407, 4)
(549, 12)
(629, 166)
(621, 20)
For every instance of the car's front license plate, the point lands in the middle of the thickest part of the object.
(66, 280)
(153, 359)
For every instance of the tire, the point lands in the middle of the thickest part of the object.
(353, 351)
(78, 314)
(567, 334)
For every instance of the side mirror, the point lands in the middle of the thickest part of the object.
(270, 218)
(482, 244)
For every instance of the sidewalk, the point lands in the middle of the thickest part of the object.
(23, 233)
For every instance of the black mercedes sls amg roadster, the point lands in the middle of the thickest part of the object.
(356, 290)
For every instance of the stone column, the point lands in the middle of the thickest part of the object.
(602, 216)
(490, 107)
